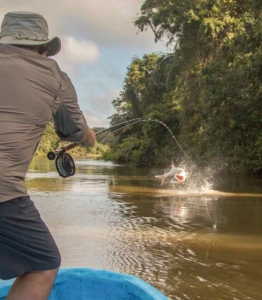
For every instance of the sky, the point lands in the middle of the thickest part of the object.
(99, 41)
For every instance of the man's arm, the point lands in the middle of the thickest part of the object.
(70, 123)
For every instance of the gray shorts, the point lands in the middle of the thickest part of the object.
(26, 245)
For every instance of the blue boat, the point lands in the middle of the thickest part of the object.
(91, 284)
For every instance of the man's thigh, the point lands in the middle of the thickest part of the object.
(26, 244)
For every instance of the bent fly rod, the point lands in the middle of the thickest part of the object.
(64, 162)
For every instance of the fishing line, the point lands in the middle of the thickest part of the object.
(114, 126)
(118, 129)
(123, 128)
(65, 163)
(160, 122)
(213, 224)
(137, 120)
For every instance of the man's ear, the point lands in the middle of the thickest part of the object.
(43, 48)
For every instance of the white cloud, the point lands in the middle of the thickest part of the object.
(75, 53)
(92, 120)
(97, 103)
(99, 97)
(79, 51)
(107, 23)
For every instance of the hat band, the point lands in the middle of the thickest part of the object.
(27, 37)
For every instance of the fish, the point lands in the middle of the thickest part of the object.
(179, 178)
(179, 175)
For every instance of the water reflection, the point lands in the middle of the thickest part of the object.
(189, 245)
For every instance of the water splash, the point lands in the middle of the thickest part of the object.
(200, 182)
(207, 186)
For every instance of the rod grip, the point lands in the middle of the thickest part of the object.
(70, 146)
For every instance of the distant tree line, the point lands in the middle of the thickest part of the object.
(207, 90)
(51, 142)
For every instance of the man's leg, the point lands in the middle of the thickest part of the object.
(33, 286)
(26, 249)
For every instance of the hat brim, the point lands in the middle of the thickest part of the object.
(54, 43)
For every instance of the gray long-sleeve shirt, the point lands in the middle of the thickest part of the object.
(32, 90)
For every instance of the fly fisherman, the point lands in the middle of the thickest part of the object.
(33, 89)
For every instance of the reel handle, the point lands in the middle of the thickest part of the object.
(51, 155)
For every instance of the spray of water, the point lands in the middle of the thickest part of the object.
(198, 181)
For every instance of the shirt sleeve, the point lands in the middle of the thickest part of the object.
(70, 123)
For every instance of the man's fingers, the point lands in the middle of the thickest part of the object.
(89, 138)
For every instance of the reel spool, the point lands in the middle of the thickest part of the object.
(65, 165)
(64, 162)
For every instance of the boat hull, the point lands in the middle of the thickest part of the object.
(87, 284)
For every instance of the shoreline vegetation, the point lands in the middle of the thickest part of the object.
(207, 89)
(51, 142)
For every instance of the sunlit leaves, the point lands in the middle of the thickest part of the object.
(209, 89)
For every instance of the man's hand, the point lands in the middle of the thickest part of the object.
(89, 138)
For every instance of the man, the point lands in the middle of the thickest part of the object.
(33, 89)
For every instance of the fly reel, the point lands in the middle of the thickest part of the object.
(64, 162)
(65, 165)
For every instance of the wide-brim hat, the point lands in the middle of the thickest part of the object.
(28, 29)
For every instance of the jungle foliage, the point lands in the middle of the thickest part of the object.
(208, 90)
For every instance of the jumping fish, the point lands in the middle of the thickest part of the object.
(179, 175)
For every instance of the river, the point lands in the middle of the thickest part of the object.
(190, 243)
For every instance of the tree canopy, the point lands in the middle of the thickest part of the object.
(208, 90)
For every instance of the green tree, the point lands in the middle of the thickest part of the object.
(145, 96)
(208, 90)
(217, 63)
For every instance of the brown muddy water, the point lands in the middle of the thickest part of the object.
(192, 242)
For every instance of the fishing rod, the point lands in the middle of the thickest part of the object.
(64, 162)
